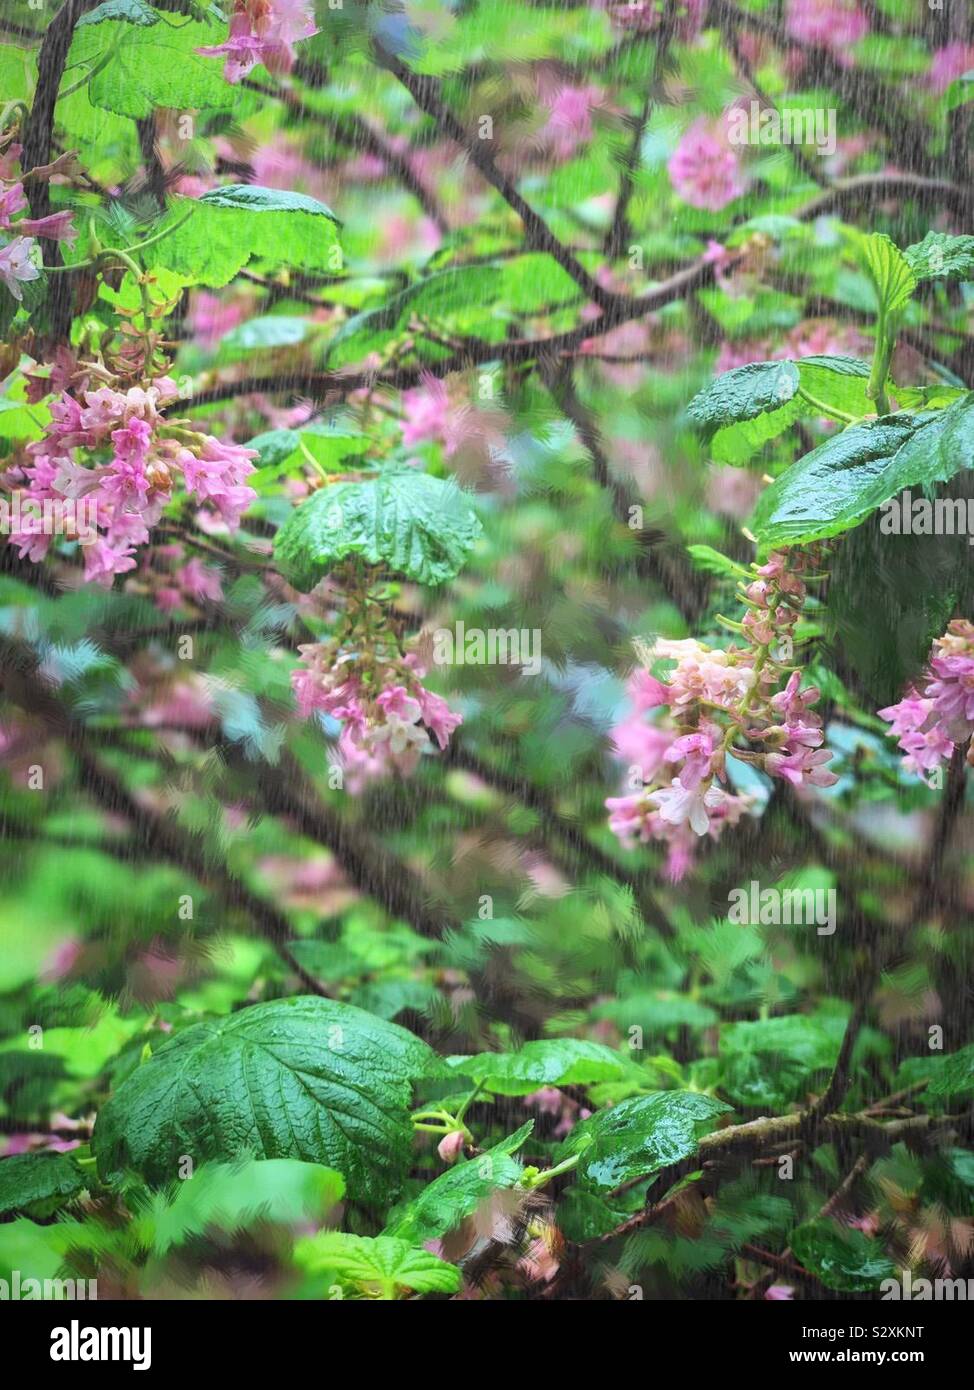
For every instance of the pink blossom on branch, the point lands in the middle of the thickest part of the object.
(704, 170)
(263, 31)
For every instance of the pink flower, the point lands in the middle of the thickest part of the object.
(832, 24)
(200, 581)
(427, 412)
(450, 1147)
(16, 266)
(698, 750)
(12, 201)
(57, 226)
(677, 805)
(570, 122)
(437, 715)
(779, 1293)
(948, 64)
(263, 31)
(704, 170)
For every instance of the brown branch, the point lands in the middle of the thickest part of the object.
(425, 91)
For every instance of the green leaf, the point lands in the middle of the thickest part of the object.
(380, 1267)
(711, 561)
(141, 59)
(741, 415)
(956, 1076)
(419, 526)
(228, 226)
(845, 1260)
(304, 1078)
(890, 272)
(235, 1196)
(128, 11)
(769, 1062)
(838, 484)
(547, 1062)
(38, 1184)
(457, 1193)
(939, 256)
(745, 393)
(640, 1136)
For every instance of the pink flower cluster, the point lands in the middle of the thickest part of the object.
(930, 722)
(387, 713)
(16, 262)
(263, 31)
(742, 700)
(832, 24)
(135, 457)
(704, 169)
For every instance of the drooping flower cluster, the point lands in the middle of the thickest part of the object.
(17, 265)
(933, 719)
(111, 457)
(745, 700)
(263, 31)
(363, 678)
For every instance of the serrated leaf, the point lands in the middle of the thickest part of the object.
(745, 393)
(770, 1061)
(845, 1260)
(546, 1062)
(304, 1078)
(890, 272)
(38, 1184)
(418, 526)
(741, 415)
(230, 225)
(956, 1076)
(838, 484)
(942, 257)
(640, 1136)
(457, 1193)
(379, 1267)
(139, 63)
(127, 11)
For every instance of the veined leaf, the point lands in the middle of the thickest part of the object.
(417, 525)
(842, 1259)
(838, 484)
(228, 226)
(956, 1076)
(380, 1267)
(140, 59)
(745, 408)
(942, 257)
(547, 1062)
(769, 1061)
(640, 1136)
(457, 1193)
(304, 1078)
(38, 1184)
(889, 270)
